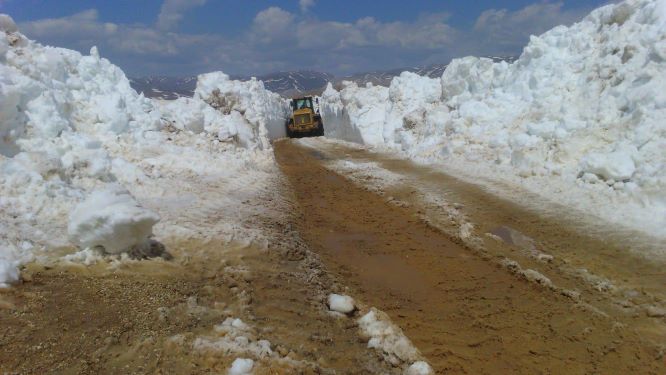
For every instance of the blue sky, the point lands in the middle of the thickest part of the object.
(182, 37)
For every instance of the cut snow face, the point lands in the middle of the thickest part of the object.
(112, 220)
(86, 161)
(265, 110)
(577, 118)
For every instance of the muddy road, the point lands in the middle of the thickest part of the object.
(179, 316)
(479, 284)
(158, 317)
(473, 292)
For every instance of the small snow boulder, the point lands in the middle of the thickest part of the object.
(655, 312)
(616, 165)
(419, 368)
(9, 273)
(112, 220)
(341, 303)
(241, 366)
(7, 24)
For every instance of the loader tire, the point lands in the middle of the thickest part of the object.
(319, 132)
(290, 134)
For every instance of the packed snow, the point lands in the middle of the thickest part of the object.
(235, 337)
(419, 368)
(578, 118)
(87, 163)
(264, 110)
(383, 335)
(111, 220)
(341, 303)
(241, 366)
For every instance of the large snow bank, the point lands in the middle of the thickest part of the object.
(578, 117)
(231, 110)
(83, 154)
(263, 109)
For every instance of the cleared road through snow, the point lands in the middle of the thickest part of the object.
(508, 301)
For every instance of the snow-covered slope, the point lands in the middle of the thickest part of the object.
(579, 117)
(287, 84)
(163, 87)
(86, 161)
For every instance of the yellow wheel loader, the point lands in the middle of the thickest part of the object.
(305, 119)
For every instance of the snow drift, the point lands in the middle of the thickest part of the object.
(86, 161)
(577, 118)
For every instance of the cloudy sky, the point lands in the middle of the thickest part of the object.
(252, 37)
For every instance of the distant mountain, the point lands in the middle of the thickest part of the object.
(284, 83)
(384, 77)
(287, 84)
(165, 87)
(295, 83)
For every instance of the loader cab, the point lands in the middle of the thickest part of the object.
(305, 119)
(302, 103)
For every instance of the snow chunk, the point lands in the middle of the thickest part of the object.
(7, 24)
(241, 366)
(233, 324)
(616, 166)
(185, 114)
(419, 368)
(387, 337)
(341, 303)
(112, 220)
(9, 273)
(236, 338)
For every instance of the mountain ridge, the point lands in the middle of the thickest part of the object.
(287, 83)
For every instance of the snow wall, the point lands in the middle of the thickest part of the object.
(579, 117)
(70, 132)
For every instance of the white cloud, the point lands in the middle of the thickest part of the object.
(502, 28)
(83, 30)
(424, 33)
(272, 24)
(172, 11)
(305, 5)
(85, 24)
(278, 39)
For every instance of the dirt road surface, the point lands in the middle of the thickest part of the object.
(480, 285)
(157, 316)
(465, 309)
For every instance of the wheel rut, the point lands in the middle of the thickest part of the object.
(464, 312)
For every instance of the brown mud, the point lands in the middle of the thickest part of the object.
(463, 311)
(145, 317)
